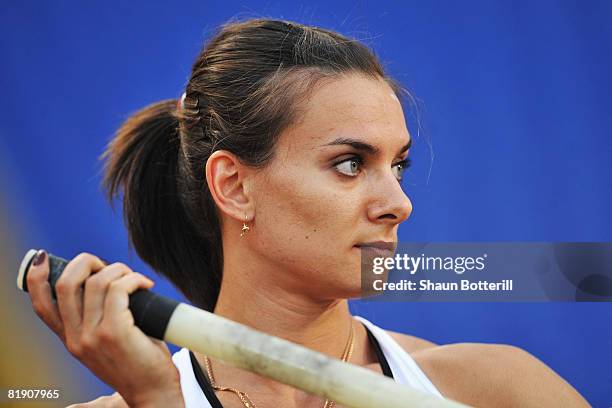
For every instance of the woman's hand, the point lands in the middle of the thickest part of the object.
(92, 318)
(105, 401)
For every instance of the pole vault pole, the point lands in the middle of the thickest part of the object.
(258, 352)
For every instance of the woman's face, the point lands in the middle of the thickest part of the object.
(321, 196)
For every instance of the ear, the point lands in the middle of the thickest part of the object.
(229, 181)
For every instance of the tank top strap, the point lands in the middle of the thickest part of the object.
(193, 394)
(405, 370)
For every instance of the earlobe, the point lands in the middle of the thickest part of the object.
(227, 180)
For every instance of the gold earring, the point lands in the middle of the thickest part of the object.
(245, 227)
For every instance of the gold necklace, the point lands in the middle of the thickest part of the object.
(246, 401)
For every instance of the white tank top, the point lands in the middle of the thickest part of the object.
(403, 368)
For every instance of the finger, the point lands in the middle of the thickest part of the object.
(95, 292)
(105, 401)
(117, 298)
(117, 401)
(161, 344)
(69, 290)
(39, 290)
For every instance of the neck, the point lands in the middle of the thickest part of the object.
(268, 298)
(322, 326)
(276, 302)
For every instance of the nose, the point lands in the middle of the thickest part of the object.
(390, 204)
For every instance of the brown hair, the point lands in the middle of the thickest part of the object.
(247, 85)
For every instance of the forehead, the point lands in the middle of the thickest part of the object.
(355, 106)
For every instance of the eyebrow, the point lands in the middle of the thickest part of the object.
(363, 146)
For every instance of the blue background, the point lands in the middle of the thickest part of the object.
(511, 124)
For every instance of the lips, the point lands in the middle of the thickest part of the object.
(381, 248)
(377, 244)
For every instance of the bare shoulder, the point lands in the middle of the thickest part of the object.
(410, 343)
(480, 374)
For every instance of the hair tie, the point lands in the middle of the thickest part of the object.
(181, 102)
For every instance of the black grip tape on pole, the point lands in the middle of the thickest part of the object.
(151, 311)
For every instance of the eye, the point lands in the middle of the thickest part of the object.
(401, 166)
(349, 166)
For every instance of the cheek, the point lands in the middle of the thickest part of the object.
(307, 223)
(296, 214)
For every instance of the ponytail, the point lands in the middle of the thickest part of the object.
(142, 161)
